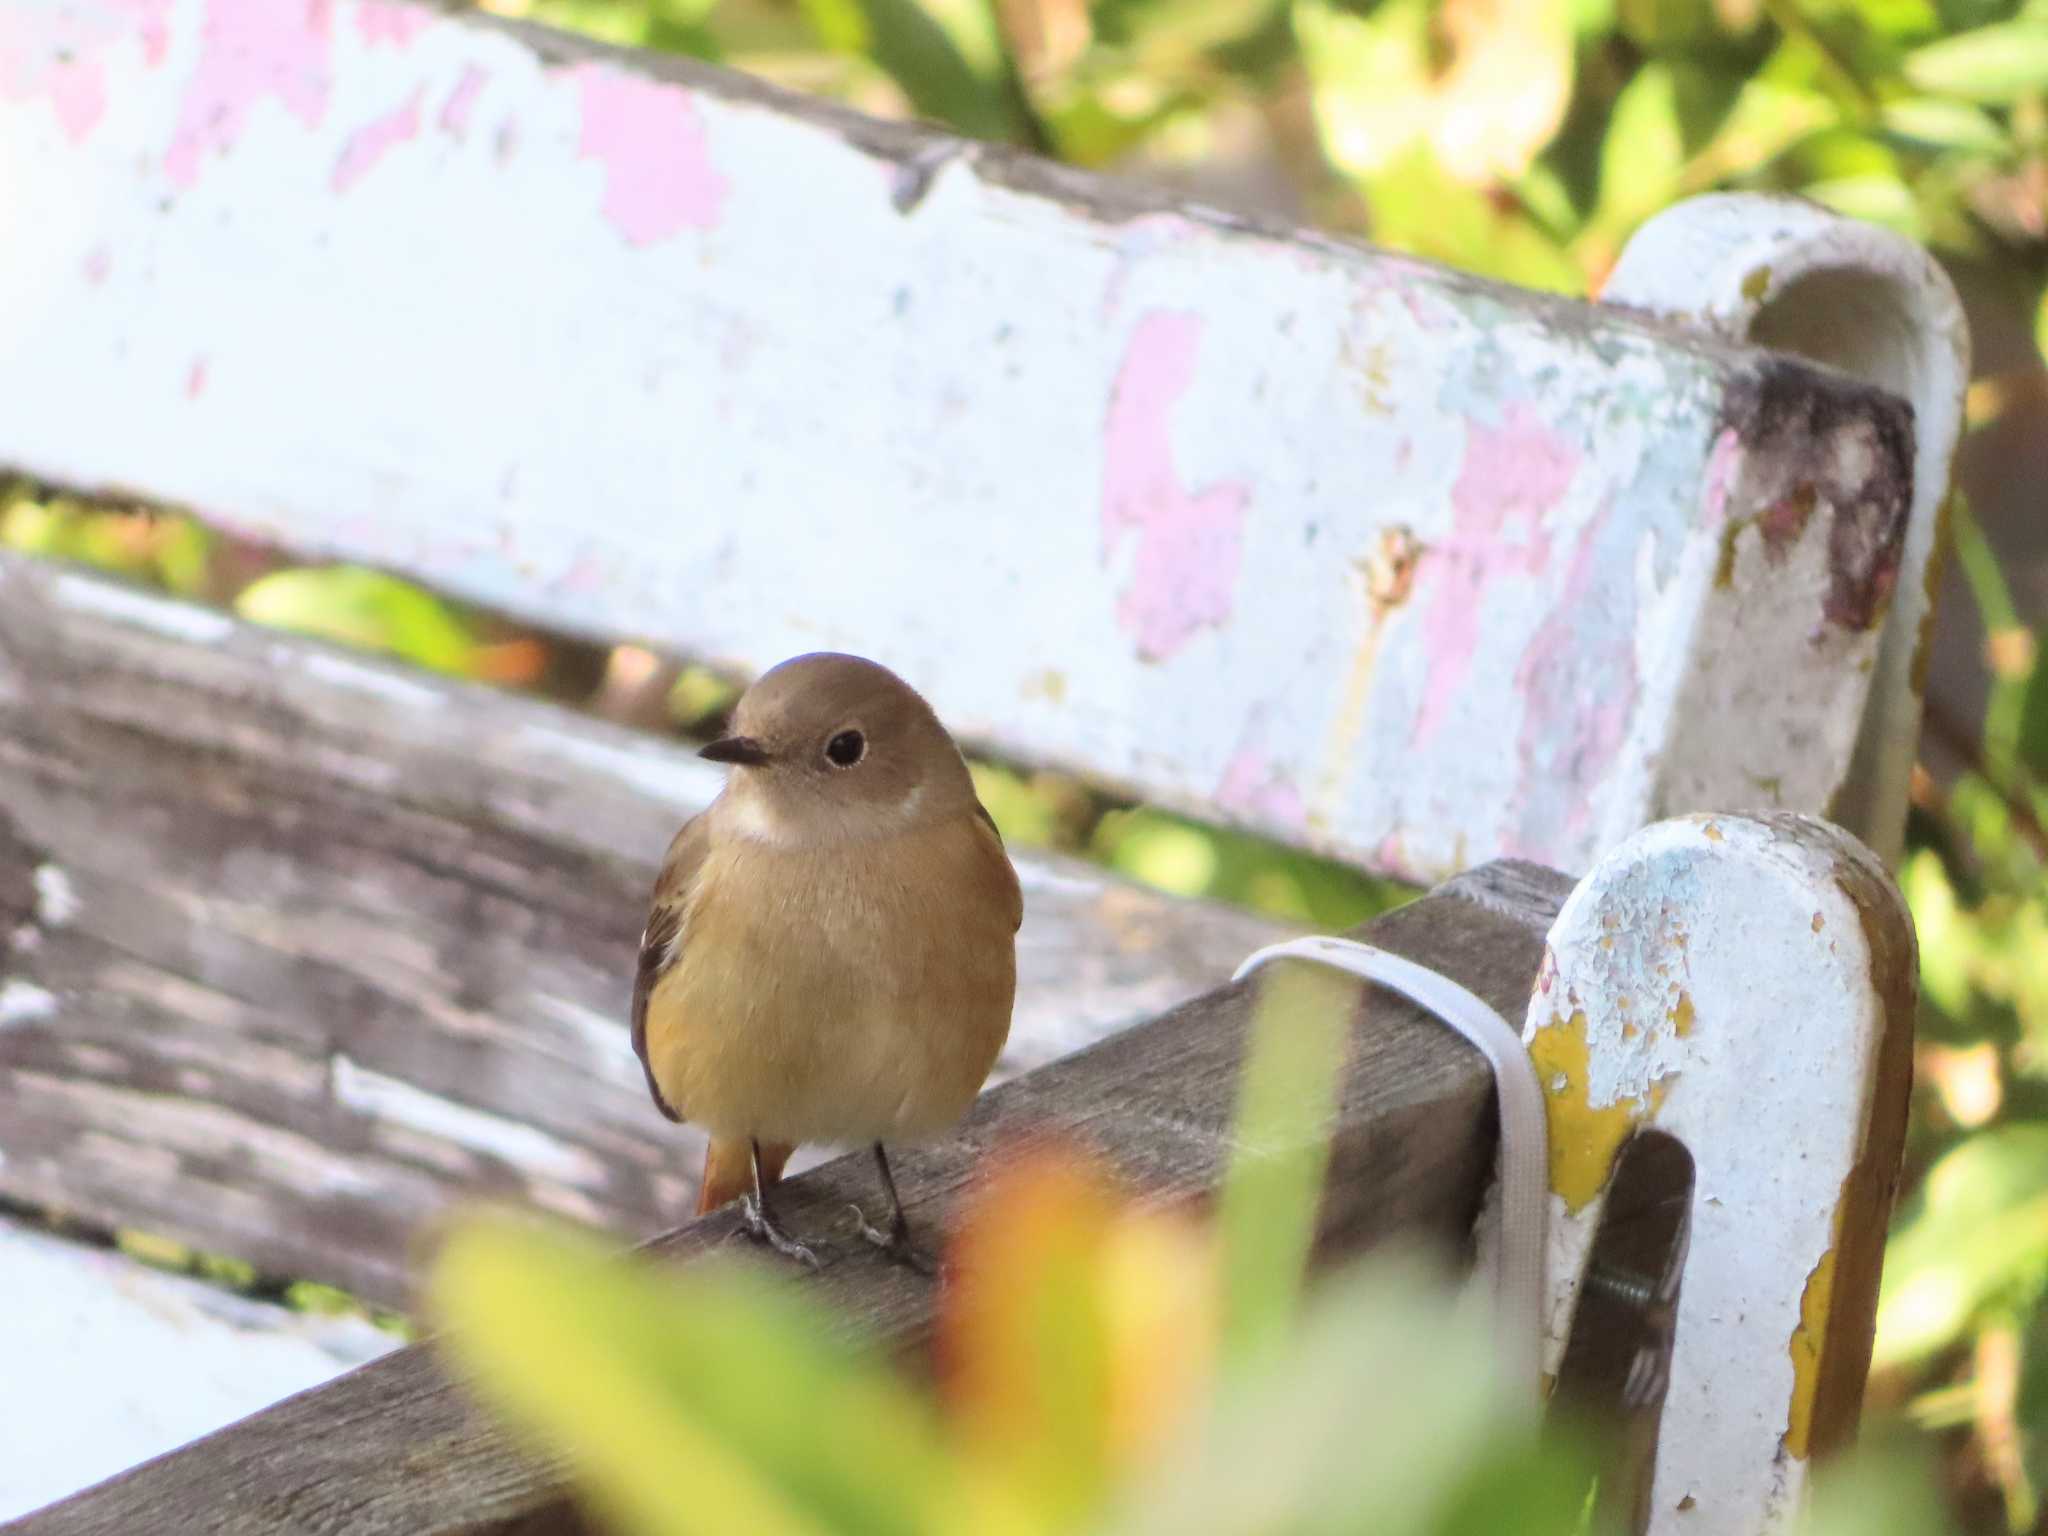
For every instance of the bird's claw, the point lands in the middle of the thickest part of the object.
(763, 1228)
(894, 1243)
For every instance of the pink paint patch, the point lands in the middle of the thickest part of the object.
(1721, 467)
(376, 139)
(658, 174)
(99, 261)
(195, 379)
(250, 49)
(1514, 473)
(454, 118)
(379, 21)
(1252, 788)
(1577, 680)
(1189, 545)
(60, 54)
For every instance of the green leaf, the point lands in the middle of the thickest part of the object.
(947, 58)
(1383, 1415)
(1644, 152)
(1945, 125)
(1878, 1490)
(1294, 1063)
(362, 608)
(1995, 65)
(689, 1402)
(1977, 1230)
(1416, 207)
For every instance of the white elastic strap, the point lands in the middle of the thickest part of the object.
(1524, 1129)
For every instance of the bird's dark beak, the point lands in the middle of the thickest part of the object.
(743, 750)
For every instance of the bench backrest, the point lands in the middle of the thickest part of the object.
(1255, 523)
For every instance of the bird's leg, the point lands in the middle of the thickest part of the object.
(761, 1221)
(896, 1241)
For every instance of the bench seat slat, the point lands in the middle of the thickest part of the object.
(297, 946)
(394, 1448)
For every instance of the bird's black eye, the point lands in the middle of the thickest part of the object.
(846, 749)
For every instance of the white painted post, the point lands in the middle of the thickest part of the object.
(1786, 273)
(1746, 985)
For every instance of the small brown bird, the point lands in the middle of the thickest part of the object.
(831, 954)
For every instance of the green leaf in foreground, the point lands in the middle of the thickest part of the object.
(691, 1401)
(1294, 1062)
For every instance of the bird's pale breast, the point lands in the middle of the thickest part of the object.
(856, 993)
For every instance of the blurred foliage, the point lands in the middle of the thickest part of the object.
(1519, 139)
(1103, 1366)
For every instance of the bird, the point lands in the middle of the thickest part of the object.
(830, 950)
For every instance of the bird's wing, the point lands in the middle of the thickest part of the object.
(1008, 872)
(661, 943)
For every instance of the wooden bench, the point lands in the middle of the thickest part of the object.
(298, 947)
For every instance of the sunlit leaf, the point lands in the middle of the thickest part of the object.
(1416, 207)
(1977, 1229)
(1939, 124)
(362, 608)
(1644, 153)
(1295, 1053)
(1482, 83)
(1317, 1442)
(1991, 64)
(1877, 1490)
(688, 1403)
(1879, 199)
(1075, 1332)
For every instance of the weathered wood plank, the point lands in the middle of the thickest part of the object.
(1194, 505)
(394, 1448)
(297, 946)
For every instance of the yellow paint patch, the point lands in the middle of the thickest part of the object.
(1805, 1347)
(1584, 1138)
(1049, 685)
(1682, 1016)
(1711, 832)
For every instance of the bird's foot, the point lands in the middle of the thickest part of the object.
(765, 1229)
(894, 1243)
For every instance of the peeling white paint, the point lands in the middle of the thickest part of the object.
(1219, 419)
(383, 683)
(1711, 1004)
(166, 616)
(372, 1093)
(56, 899)
(1857, 298)
(23, 1002)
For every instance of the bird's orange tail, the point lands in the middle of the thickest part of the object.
(729, 1170)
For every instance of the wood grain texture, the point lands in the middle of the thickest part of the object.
(393, 1449)
(296, 947)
